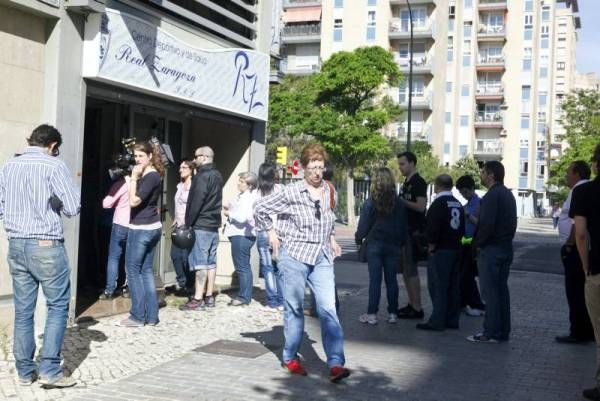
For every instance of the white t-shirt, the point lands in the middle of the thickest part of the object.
(564, 221)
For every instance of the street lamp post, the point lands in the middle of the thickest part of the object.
(410, 76)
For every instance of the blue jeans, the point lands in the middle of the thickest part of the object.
(240, 252)
(383, 260)
(139, 257)
(179, 257)
(31, 265)
(321, 280)
(494, 267)
(270, 272)
(118, 240)
(443, 282)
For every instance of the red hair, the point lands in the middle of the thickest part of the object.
(312, 152)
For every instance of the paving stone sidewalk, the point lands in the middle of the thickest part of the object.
(389, 362)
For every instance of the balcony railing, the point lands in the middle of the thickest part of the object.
(490, 60)
(399, 28)
(301, 30)
(491, 31)
(489, 90)
(300, 69)
(420, 63)
(488, 147)
(492, 4)
(487, 117)
(301, 3)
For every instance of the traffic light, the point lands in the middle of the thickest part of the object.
(282, 155)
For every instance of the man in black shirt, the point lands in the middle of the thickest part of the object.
(495, 232)
(444, 230)
(414, 194)
(586, 214)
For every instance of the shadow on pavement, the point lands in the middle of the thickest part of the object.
(77, 343)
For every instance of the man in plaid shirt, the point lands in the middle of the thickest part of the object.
(305, 246)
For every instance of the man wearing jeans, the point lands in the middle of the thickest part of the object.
(203, 214)
(35, 188)
(495, 232)
(586, 215)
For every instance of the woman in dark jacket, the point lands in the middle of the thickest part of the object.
(383, 223)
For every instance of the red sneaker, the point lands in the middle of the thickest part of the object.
(338, 373)
(295, 368)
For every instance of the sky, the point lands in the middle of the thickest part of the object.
(588, 46)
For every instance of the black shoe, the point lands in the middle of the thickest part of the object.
(408, 312)
(427, 326)
(105, 296)
(209, 301)
(592, 394)
(570, 340)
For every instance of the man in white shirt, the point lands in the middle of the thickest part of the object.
(581, 330)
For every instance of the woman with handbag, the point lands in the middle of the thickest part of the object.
(382, 231)
(179, 255)
(242, 234)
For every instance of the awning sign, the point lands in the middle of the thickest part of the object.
(126, 50)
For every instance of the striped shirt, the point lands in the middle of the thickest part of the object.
(305, 228)
(27, 183)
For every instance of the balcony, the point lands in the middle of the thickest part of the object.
(420, 101)
(421, 64)
(492, 5)
(490, 63)
(306, 33)
(400, 29)
(412, 2)
(276, 74)
(489, 91)
(301, 3)
(491, 33)
(488, 147)
(488, 120)
(290, 69)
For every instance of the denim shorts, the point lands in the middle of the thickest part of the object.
(203, 255)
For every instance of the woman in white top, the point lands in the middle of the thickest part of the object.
(179, 256)
(242, 235)
(267, 173)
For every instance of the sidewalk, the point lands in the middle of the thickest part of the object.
(389, 362)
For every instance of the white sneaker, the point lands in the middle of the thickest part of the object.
(368, 318)
(474, 311)
(392, 318)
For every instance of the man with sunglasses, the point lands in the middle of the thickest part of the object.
(305, 245)
(35, 189)
(203, 214)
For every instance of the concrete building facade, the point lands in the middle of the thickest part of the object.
(487, 74)
(188, 73)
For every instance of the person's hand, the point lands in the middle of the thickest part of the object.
(127, 179)
(337, 250)
(137, 171)
(274, 242)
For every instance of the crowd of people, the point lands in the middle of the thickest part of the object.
(293, 228)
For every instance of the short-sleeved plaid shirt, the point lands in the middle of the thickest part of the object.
(304, 225)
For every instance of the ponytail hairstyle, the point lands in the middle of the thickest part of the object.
(267, 173)
(152, 150)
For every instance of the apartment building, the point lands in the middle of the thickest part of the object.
(487, 74)
(589, 81)
(189, 73)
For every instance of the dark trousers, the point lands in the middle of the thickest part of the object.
(581, 326)
(494, 269)
(180, 256)
(442, 282)
(469, 292)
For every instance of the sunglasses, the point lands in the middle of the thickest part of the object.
(318, 209)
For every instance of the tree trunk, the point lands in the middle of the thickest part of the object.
(350, 198)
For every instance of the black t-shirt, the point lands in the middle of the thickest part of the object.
(583, 203)
(412, 189)
(148, 190)
(445, 223)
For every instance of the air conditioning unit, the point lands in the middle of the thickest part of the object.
(85, 6)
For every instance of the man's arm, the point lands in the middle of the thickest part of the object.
(581, 239)
(434, 223)
(487, 218)
(63, 188)
(197, 196)
(418, 206)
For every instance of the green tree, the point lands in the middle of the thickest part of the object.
(581, 121)
(428, 164)
(466, 166)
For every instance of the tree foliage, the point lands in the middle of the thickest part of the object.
(466, 166)
(581, 121)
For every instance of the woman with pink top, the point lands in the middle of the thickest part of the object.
(179, 256)
(117, 198)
